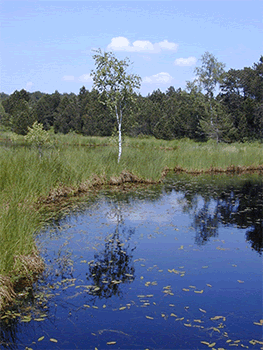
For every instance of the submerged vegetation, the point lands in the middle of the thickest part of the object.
(31, 182)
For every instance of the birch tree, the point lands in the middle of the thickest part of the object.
(116, 86)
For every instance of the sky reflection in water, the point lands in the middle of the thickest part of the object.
(178, 266)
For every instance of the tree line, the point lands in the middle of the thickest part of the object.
(235, 113)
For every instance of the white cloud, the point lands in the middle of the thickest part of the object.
(161, 78)
(190, 61)
(85, 78)
(121, 43)
(167, 46)
(29, 85)
(68, 78)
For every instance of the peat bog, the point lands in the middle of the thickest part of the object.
(176, 265)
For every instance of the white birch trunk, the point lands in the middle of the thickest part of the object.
(119, 121)
(120, 143)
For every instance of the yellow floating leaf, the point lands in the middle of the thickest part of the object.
(86, 305)
(104, 306)
(111, 342)
(186, 290)
(182, 275)
(170, 270)
(149, 317)
(95, 307)
(199, 291)
(217, 318)
(237, 341)
(239, 281)
(208, 285)
(41, 338)
(187, 325)
(149, 295)
(53, 340)
(172, 314)
(122, 308)
(211, 345)
(205, 342)
(171, 305)
(141, 296)
(163, 315)
(199, 321)
(202, 310)
(261, 321)
(228, 341)
(259, 342)
(192, 287)
(182, 247)
(258, 324)
(216, 330)
(141, 277)
(39, 319)
(179, 319)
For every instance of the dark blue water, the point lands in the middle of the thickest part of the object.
(176, 266)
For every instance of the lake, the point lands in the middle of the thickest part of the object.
(171, 266)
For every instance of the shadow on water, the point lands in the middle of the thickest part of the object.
(210, 203)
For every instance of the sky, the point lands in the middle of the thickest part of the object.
(48, 45)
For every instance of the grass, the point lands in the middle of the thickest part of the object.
(25, 176)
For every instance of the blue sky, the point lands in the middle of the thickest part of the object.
(47, 45)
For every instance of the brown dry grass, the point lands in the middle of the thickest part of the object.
(27, 269)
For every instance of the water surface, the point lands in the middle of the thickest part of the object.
(176, 266)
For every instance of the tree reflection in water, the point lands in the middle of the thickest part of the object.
(231, 203)
(112, 266)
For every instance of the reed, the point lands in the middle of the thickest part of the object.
(26, 176)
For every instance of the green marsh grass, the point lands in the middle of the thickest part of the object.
(74, 159)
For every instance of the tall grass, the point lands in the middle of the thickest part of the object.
(25, 176)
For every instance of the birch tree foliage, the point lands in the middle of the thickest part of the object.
(210, 73)
(116, 86)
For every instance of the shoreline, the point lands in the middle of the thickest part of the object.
(27, 268)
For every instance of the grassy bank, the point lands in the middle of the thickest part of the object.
(72, 164)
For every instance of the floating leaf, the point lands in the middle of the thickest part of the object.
(208, 285)
(192, 287)
(228, 341)
(41, 338)
(186, 290)
(216, 330)
(111, 342)
(205, 342)
(104, 306)
(204, 267)
(149, 317)
(239, 281)
(182, 247)
(187, 325)
(122, 308)
(199, 321)
(202, 310)
(199, 291)
(258, 324)
(217, 318)
(39, 319)
(211, 345)
(172, 314)
(53, 340)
